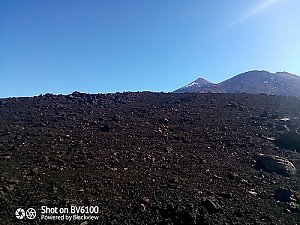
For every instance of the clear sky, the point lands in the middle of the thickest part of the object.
(94, 46)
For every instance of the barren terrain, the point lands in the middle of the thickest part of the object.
(147, 158)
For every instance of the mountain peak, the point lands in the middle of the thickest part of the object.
(201, 79)
(200, 82)
(195, 85)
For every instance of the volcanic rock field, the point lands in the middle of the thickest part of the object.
(152, 158)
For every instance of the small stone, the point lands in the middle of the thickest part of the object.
(44, 201)
(2, 103)
(192, 156)
(145, 200)
(45, 158)
(283, 194)
(202, 161)
(174, 180)
(13, 181)
(226, 195)
(142, 207)
(293, 207)
(238, 212)
(232, 105)
(164, 166)
(232, 175)
(244, 181)
(285, 119)
(264, 115)
(170, 207)
(114, 162)
(9, 188)
(252, 193)
(105, 128)
(163, 121)
(116, 117)
(33, 171)
(7, 157)
(43, 124)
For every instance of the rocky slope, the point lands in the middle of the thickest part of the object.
(255, 82)
(152, 158)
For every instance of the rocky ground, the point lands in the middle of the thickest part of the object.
(152, 158)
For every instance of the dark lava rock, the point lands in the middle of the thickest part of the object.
(105, 128)
(176, 216)
(2, 102)
(226, 195)
(293, 207)
(163, 120)
(233, 105)
(202, 217)
(211, 205)
(232, 175)
(271, 163)
(290, 141)
(185, 217)
(283, 194)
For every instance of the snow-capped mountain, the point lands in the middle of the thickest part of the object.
(196, 85)
(255, 82)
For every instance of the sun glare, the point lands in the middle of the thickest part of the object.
(254, 11)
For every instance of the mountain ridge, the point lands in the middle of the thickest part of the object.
(252, 82)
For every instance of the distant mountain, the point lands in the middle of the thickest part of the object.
(253, 82)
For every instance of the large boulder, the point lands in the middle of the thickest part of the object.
(271, 163)
(283, 194)
(289, 140)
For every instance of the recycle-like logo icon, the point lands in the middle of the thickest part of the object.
(20, 213)
(31, 213)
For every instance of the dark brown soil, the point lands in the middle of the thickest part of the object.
(146, 158)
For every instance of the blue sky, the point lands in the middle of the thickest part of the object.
(94, 46)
